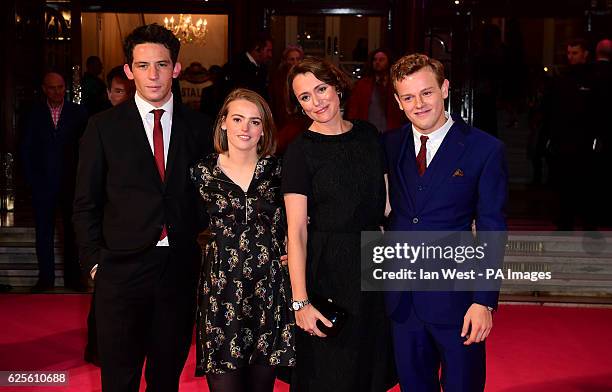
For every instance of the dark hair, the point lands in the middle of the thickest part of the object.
(92, 60)
(579, 42)
(322, 70)
(116, 72)
(267, 142)
(369, 71)
(154, 34)
(258, 41)
(410, 64)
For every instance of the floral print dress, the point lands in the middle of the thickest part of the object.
(244, 292)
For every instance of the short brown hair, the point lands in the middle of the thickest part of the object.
(410, 64)
(267, 143)
(151, 34)
(322, 70)
(581, 42)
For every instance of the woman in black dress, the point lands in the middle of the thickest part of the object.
(245, 328)
(334, 188)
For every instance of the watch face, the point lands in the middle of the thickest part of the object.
(296, 306)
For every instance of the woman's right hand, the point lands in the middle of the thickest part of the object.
(306, 318)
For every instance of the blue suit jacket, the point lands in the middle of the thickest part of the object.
(441, 201)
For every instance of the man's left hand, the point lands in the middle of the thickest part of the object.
(479, 318)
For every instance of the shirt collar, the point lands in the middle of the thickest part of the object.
(251, 59)
(144, 107)
(55, 107)
(437, 135)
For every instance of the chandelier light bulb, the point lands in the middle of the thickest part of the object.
(186, 30)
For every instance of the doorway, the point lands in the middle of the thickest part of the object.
(345, 40)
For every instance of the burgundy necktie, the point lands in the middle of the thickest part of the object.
(421, 159)
(158, 151)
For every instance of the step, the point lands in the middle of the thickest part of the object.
(29, 258)
(20, 234)
(562, 260)
(538, 243)
(26, 281)
(22, 249)
(16, 266)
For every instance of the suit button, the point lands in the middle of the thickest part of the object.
(420, 188)
(415, 220)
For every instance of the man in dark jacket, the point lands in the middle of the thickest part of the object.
(49, 152)
(249, 69)
(135, 222)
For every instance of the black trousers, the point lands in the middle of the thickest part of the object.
(45, 206)
(572, 179)
(91, 349)
(145, 308)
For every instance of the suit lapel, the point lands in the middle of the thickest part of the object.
(406, 163)
(141, 142)
(445, 161)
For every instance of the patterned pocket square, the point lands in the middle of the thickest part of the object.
(458, 173)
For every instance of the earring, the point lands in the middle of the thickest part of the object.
(223, 129)
(340, 94)
(303, 112)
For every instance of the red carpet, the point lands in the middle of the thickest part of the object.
(532, 348)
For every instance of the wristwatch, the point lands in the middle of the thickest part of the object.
(490, 309)
(297, 305)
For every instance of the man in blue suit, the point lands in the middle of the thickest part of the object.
(443, 175)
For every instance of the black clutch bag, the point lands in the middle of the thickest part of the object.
(334, 313)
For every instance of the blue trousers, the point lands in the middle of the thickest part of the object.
(421, 349)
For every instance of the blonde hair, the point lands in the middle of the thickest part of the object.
(267, 142)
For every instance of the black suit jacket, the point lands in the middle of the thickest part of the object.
(120, 203)
(243, 73)
(49, 154)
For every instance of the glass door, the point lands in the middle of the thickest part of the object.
(344, 40)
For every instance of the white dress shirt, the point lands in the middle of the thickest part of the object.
(145, 108)
(435, 139)
(251, 59)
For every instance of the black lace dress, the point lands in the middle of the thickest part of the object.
(244, 292)
(342, 177)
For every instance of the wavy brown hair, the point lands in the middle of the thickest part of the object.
(322, 70)
(267, 143)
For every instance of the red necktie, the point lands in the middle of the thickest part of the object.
(158, 151)
(421, 159)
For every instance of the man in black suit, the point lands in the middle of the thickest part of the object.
(136, 221)
(49, 147)
(570, 137)
(249, 69)
(601, 75)
(120, 89)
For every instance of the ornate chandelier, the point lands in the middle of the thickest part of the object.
(186, 31)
